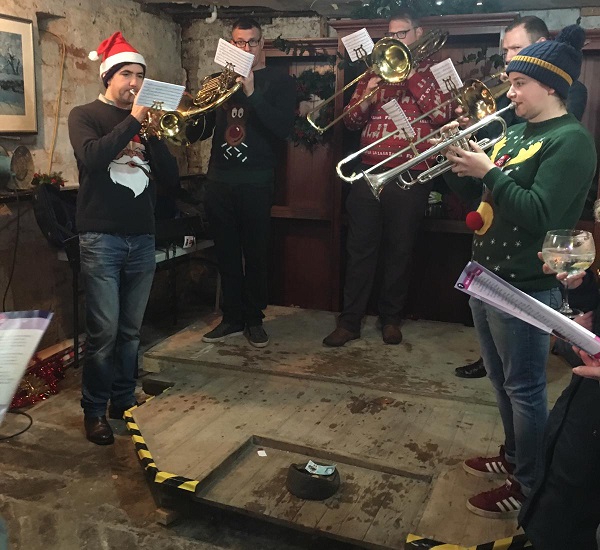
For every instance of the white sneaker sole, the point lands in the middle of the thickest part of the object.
(486, 475)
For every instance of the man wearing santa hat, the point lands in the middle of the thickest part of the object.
(118, 172)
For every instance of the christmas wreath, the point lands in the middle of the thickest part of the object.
(312, 84)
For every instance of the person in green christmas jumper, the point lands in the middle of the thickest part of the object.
(535, 179)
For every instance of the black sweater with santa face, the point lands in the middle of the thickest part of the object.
(104, 141)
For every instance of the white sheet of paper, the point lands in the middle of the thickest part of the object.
(358, 44)
(483, 284)
(160, 95)
(446, 76)
(398, 116)
(20, 334)
(228, 54)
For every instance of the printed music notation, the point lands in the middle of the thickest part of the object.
(162, 96)
(484, 285)
(399, 118)
(446, 76)
(358, 44)
(20, 334)
(229, 55)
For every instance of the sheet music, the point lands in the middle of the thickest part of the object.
(358, 44)
(398, 116)
(481, 283)
(228, 54)
(20, 334)
(159, 95)
(446, 76)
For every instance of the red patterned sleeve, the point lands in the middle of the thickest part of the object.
(355, 119)
(428, 95)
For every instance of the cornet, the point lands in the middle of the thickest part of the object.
(392, 61)
(476, 100)
(406, 181)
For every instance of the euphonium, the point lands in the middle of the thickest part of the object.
(214, 91)
(393, 61)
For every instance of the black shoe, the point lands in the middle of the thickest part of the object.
(116, 413)
(221, 331)
(472, 370)
(391, 334)
(257, 336)
(97, 430)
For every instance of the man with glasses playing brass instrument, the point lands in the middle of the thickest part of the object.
(248, 129)
(118, 173)
(535, 179)
(390, 225)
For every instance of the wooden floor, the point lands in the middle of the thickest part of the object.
(398, 451)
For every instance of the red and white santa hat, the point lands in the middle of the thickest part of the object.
(114, 50)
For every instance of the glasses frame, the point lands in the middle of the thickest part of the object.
(246, 42)
(399, 35)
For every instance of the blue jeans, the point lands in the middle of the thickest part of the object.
(117, 273)
(515, 355)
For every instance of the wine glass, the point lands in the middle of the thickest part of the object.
(570, 251)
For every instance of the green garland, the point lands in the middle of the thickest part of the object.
(384, 9)
(312, 83)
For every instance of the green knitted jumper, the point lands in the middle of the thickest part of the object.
(547, 170)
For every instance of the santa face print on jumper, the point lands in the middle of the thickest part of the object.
(234, 147)
(130, 168)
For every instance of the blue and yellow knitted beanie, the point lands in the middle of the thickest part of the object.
(555, 63)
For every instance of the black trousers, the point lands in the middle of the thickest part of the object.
(239, 215)
(387, 226)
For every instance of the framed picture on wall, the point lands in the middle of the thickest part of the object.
(17, 77)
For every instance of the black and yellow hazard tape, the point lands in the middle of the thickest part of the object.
(163, 478)
(414, 542)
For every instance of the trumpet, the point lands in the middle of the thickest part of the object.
(392, 61)
(406, 181)
(477, 101)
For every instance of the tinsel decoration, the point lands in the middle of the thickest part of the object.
(311, 84)
(42, 377)
(384, 9)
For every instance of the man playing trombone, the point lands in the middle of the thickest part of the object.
(389, 225)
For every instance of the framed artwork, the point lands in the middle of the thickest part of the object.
(17, 77)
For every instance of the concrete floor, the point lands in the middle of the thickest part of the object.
(61, 492)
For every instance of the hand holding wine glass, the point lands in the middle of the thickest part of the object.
(570, 251)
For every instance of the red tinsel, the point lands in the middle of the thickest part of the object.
(42, 377)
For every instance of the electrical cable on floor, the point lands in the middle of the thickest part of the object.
(5, 437)
(14, 260)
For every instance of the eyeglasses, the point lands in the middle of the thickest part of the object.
(399, 35)
(253, 42)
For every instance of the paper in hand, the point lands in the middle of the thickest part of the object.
(486, 286)
(358, 44)
(399, 118)
(20, 334)
(162, 96)
(446, 76)
(229, 55)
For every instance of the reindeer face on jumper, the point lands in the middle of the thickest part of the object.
(235, 132)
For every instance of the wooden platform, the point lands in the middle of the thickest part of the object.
(398, 452)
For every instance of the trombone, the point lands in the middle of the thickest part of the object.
(477, 101)
(378, 181)
(392, 61)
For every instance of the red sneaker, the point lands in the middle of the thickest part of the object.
(503, 502)
(491, 467)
